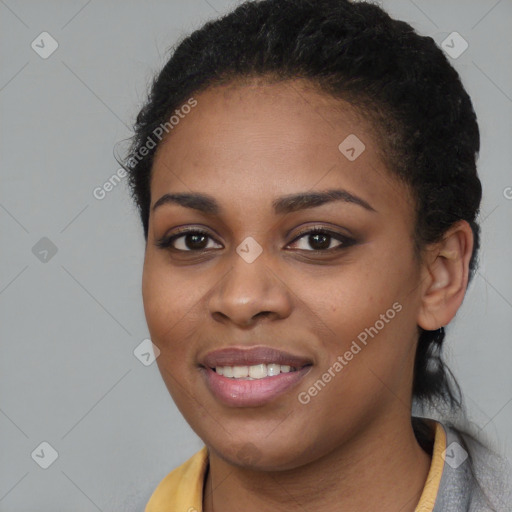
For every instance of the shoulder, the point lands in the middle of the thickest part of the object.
(474, 478)
(182, 488)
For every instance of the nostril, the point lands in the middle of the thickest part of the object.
(263, 313)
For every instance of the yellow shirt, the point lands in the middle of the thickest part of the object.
(182, 489)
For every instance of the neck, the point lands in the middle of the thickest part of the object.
(383, 468)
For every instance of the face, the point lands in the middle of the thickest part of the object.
(249, 269)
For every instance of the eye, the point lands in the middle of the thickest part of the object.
(188, 240)
(196, 240)
(321, 239)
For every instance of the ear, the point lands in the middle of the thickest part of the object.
(445, 276)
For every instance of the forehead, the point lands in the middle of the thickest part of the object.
(255, 141)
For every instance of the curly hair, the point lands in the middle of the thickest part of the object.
(402, 83)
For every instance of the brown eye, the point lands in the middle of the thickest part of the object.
(188, 241)
(319, 241)
(322, 240)
(193, 241)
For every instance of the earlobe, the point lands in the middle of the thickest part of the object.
(446, 277)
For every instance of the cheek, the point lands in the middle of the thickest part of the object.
(367, 315)
(347, 299)
(167, 304)
(168, 314)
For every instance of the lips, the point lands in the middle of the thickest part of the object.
(232, 356)
(247, 391)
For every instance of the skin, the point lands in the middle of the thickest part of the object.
(352, 446)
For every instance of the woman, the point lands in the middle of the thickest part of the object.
(305, 175)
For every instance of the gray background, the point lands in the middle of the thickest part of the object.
(69, 325)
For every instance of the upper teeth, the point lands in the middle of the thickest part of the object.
(257, 371)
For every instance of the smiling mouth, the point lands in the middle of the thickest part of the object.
(252, 376)
(256, 362)
(255, 372)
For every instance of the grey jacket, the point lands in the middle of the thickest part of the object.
(474, 479)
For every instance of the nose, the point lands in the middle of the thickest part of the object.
(250, 292)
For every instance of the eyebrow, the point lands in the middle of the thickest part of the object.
(294, 202)
(286, 204)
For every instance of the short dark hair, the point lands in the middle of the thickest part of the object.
(400, 81)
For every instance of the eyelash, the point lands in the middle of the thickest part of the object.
(166, 243)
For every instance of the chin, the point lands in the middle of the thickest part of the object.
(264, 455)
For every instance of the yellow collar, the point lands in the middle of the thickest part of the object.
(430, 491)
